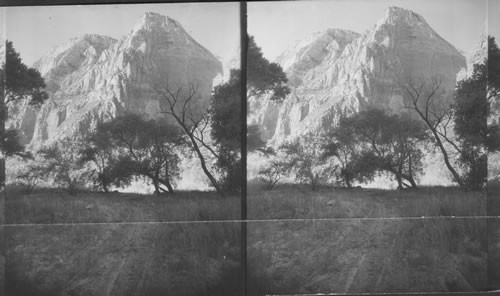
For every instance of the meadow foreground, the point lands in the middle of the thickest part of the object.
(363, 256)
(52, 206)
(123, 259)
(295, 201)
(366, 240)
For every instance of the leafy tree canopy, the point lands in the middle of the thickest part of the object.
(264, 76)
(225, 111)
(19, 80)
(493, 66)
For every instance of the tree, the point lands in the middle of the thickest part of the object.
(60, 162)
(303, 156)
(254, 140)
(17, 81)
(340, 143)
(427, 102)
(275, 169)
(20, 81)
(493, 94)
(471, 109)
(474, 99)
(100, 150)
(31, 176)
(180, 105)
(493, 63)
(225, 123)
(264, 76)
(384, 143)
(141, 148)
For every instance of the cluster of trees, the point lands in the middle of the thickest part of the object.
(17, 82)
(130, 146)
(473, 137)
(373, 141)
(357, 149)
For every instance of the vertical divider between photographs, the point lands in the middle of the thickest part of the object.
(3, 55)
(243, 133)
(492, 185)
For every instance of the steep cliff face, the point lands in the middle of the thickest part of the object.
(298, 61)
(95, 78)
(477, 55)
(344, 73)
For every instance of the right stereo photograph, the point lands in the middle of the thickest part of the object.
(372, 147)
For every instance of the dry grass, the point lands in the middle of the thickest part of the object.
(362, 256)
(140, 259)
(289, 201)
(494, 198)
(56, 206)
(439, 253)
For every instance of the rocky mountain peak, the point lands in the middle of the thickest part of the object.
(312, 51)
(338, 72)
(397, 15)
(94, 78)
(152, 21)
(70, 56)
(408, 29)
(158, 34)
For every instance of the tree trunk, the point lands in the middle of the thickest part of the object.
(412, 181)
(456, 176)
(400, 182)
(104, 184)
(169, 186)
(203, 162)
(440, 144)
(167, 180)
(156, 183)
(347, 182)
(347, 179)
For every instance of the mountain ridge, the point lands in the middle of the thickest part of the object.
(94, 78)
(365, 73)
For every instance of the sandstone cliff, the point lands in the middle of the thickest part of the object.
(340, 72)
(94, 78)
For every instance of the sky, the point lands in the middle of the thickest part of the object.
(277, 25)
(494, 19)
(35, 30)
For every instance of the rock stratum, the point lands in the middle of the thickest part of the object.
(94, 78)
(341, 72)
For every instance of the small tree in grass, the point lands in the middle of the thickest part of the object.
(274, 170)
(304, 156)
(31, 176)
(61, 164)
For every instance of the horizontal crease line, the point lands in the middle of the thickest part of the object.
(254, 221)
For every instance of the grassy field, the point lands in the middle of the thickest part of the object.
(494, 198)
(290, 201)
(362, 256)
(494, 252)
(183, 259)
(359, 255)
(47, 205)
(59, 256)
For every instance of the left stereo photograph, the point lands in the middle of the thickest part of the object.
(121, 150)
(122, 113)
